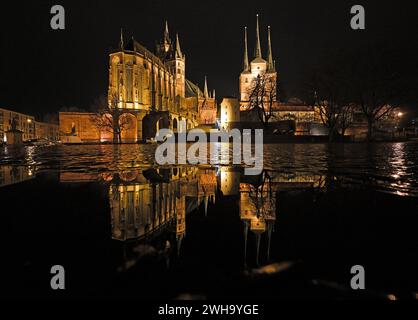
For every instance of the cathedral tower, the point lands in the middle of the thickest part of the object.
(257, 66)
(178, 65)
(170, 52)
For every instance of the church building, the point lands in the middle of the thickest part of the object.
(151, 89)
(292, 115)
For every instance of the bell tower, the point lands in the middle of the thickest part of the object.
(170, 53)
(177, 65)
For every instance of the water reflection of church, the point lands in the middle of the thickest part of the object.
(146, 203)
(258, 200)
(143, 203)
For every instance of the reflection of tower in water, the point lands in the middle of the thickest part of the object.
(229, 181)
(258, 213)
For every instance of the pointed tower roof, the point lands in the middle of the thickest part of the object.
(166, 33)
(179, 54)
(270, 61)
(246, 64)
(214, 94)
(206, 205)
(257, 41)
(121, 45)
(205, 90)
(166, 42)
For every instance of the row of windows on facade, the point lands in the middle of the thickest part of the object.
(129, 68)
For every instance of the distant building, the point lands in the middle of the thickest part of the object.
(30, 128)
(47, 131)
(230, 115)
(24, 123)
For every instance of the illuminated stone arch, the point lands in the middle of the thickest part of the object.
(128, 123)
(153, 122)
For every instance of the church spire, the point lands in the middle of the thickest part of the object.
(258, 45)
(270, 53)
(121, 45)
(166, 34)
(205, 90)
(245, 64)
(179, 54)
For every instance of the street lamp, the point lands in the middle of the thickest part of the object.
(400, 115)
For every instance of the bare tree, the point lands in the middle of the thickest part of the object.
(346, 118)
(262, 195)
(374, 92)
(328, 112)
(327, 101)
(378, 84)
(109, 118)
(327, 94)
(262, 96)
(375, 107)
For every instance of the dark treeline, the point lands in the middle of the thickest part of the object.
(374, 79)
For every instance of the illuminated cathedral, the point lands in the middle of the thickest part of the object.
(151, 90)
(148, 84)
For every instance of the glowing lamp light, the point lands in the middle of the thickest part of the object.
(400, 114)
(29, 120)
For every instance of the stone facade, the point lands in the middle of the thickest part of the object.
(47, 131)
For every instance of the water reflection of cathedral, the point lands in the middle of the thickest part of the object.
(148, 201)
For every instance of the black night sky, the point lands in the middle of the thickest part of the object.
(43, 70)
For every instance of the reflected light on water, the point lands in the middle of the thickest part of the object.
(389, 167)
(397, 164)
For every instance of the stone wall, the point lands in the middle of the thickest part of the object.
(80, 125)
